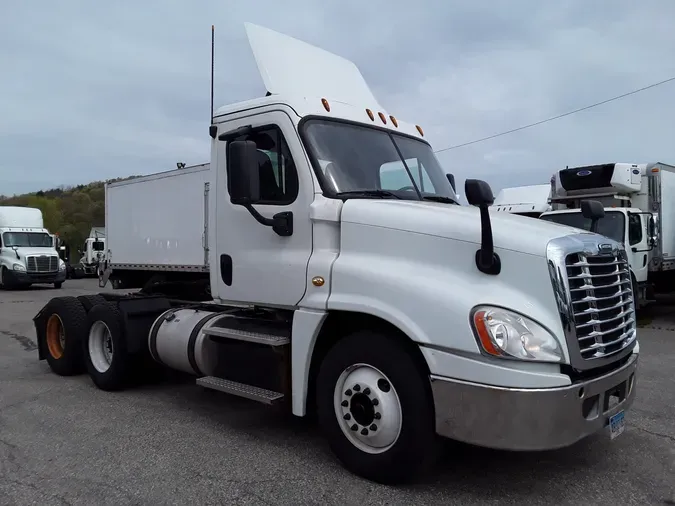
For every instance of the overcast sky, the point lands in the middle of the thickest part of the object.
(91, 90)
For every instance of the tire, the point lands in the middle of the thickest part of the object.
(89, 301)
(65, 328)
(405, 408)
(3, 279)
(58, 285)
(105, 352)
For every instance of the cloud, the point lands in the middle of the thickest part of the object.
(92, 91)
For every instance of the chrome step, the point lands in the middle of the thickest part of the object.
(245, 335)
(240, 389)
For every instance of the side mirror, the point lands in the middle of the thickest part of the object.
(652, 231)
(451, 180)
(593, 210)
(478, 193)
(242, 173)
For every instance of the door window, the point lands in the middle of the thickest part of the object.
(278, 175)
(634, 229)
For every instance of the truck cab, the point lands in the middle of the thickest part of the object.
(91, 254)
(27, 250)
(346, 280)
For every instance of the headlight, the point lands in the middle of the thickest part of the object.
(62, 266)
(19, 268)
(503, 333)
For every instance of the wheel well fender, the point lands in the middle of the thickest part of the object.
(339, 324)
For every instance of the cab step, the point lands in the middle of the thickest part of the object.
(250, 330)
(240, 389)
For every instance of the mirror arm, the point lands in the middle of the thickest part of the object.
(487, 260)
(268, 222)
(281, 223)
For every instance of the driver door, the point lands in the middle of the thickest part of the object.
(254, 264)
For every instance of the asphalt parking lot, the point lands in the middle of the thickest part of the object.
(62, 441)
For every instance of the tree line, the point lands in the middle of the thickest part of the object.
(69, 211)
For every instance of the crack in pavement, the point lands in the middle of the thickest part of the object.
(658, 434)
(26, 342)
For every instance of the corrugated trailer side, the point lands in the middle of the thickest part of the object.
(157, 223)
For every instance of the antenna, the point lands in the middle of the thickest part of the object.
(213, 46)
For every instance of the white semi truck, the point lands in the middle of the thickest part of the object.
(27, 251)
(529, 201)
(93, 251)
(639, 204)
(394, 313)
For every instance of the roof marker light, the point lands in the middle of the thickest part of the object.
(393, 120)
(326, 105)
(382, 117)
(370, 115)
(419, 129)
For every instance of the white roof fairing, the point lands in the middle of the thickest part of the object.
(299, 75)
(289, 66)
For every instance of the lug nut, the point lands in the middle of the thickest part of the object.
(377, 416)
(364, 432)
(345, 404)
(348, 393)
(354, 427)
(373, 427)
(375, 402)
(347, 416)
(366, 391)
(357, 388)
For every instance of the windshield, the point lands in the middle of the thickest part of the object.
(27, 239)
(356, 158)
(612, 225)
(98, 246)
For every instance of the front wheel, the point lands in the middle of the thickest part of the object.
(375, 406)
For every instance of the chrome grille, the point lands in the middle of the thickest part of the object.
(42, 263)
(601, 303)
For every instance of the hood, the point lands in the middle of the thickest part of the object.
(27, 251)
(461, 223)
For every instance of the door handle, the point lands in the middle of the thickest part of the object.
(226, 269)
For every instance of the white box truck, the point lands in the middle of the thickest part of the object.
(157, 228)
(639, 211)
(27, 250)
(532, 200)
(394, 313)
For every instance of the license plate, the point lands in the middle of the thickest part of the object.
(617, 424)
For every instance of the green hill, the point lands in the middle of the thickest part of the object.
(68, 211)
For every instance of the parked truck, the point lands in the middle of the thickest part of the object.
(532, 200)
(92, 252)
(27, 251)
(639, 203)
(394, 313)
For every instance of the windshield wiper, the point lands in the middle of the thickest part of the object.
(368, 193)
(439, 198)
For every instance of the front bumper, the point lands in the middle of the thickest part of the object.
(23, 278)
(531, 419)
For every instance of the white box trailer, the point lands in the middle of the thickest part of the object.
(156, 224)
